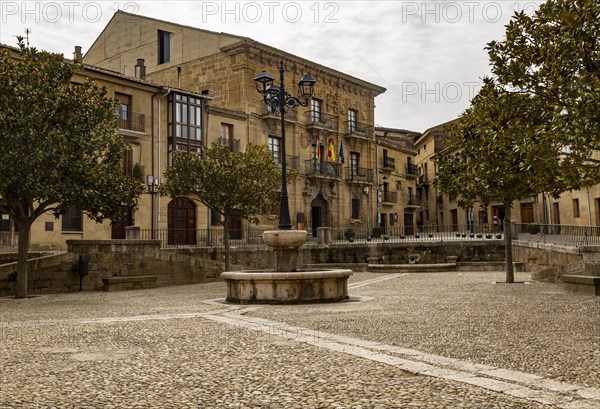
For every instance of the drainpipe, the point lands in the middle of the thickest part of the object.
(589, 208)
(161, 96)
(378, 219)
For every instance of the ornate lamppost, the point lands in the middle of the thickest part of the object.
(277, 99)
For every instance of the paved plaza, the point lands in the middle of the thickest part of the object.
(435, 340)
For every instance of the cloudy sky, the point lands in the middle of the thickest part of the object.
(428, 54)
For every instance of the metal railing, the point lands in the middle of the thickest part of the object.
(321, 119)
(388, 163)
(413, 200)
(292, 162)
(8, 242)
(268, 112)
(359, 174)
(558, 234)
(353, 127)
(322, 168)
(134, 122)
(389, 197)
(182, 238)
(234, 144)
(412, 170)
(416, 233)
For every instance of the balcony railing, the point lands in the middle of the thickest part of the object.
(423, 180)
(439, 200)
(234, 144)
(412, 170)
(320, 119)
(133, 122)
(134, 171)
(322, 168)
(267, 113)
(359, 174)
(413, 200)
(389, 163)
(291, 162)
(389, 197)
(354, 128)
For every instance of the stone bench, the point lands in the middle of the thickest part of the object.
(129, 283)
(582, 284)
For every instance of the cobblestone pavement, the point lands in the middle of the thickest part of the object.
(404, 341)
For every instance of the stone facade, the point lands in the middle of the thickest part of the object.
(223, 67)
(577, 207)
(398, 202)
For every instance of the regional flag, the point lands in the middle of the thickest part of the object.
(331, 151)
(341, 154)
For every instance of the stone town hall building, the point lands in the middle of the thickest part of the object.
(222, 67)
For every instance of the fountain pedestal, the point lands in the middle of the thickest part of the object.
(288, 284)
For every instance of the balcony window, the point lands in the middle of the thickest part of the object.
(274, 147)
(185, 123)
(356, 208)
(352, 120)
(354, 161)
(315, 110)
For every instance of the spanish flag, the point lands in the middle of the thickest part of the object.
(331, 151)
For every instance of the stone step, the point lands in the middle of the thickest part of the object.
(582, 284)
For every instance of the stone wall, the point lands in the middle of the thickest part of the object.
(108, 258)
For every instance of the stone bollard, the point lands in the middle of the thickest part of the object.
(324, 235)
(132, 232)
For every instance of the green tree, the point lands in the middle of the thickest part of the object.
(237, 185)
(494, 154)
(58, 146)
(554, 56)
(535, 125)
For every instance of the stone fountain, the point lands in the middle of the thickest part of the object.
(287, 284)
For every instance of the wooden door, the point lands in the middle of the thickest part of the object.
(182, 222)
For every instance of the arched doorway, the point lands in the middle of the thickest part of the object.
(319, 213)
(182, 221)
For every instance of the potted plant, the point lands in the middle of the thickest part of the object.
(349, 235)
(533, 228)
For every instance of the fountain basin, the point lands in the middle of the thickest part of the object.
(300, 287)
(285, 239)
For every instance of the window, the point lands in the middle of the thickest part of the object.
(123, 112)
(72, 220)
(274, 144)
(215, 218)
(411, 199)
(226, 137)
(164, 46)
(576, 208)
(354, 162)
(185, 124)
(356, 208)
(315, 110)
(226, 134)
(392, 219)
(351, 120)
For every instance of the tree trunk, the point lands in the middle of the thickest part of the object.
(23, 249)
(510, 274)
(226, 224)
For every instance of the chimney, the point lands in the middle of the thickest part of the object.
(77, 56)
(140, 69)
